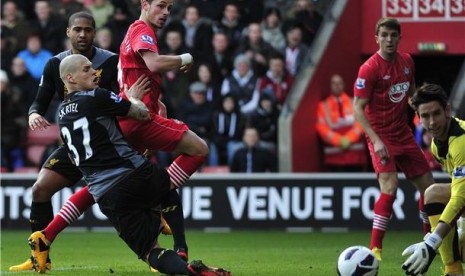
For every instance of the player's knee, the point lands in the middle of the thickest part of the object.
(40, 192)
(435, 194)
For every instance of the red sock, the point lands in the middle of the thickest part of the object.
(69, 213)
(183, 167)
(382, 215)
(424, 216)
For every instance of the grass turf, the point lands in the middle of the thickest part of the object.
(242, 252)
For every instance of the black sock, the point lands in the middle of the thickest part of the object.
(167, 261)
(41, 215)
(172, 212)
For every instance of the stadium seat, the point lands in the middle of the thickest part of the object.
(34, 154)
(215, 169)
(27, 170)
(43, 137)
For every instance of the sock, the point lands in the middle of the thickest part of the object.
(167, 261)
(172, 212)
(382, 215)
(424, 216)
(449, 249)
(69, 213)
(41, 215)
(183, 167)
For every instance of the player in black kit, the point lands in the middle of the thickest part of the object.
(58, 171)
(125, 185)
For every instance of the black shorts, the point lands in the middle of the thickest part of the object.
(129, 204)
(60, 162)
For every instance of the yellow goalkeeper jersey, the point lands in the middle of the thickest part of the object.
(451, 155)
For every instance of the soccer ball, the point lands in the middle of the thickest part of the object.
(357, 261)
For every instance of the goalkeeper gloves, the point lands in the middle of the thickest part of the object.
(421, 255)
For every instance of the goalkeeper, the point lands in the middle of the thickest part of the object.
(444, 203)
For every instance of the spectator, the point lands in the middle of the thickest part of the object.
(13, 125)
(14, 28)
(7, 52)
(204, 75)
(65, 8)
(252, 157)
(211, 9)
(307, 17)
(265, 120)
(196, 111)
(49, 26)
(34, 56)
(342, 136)
(23, 81)
(230, 24)
(295, 50)
(119, 22)
(175, 83)
(228, 128)
(277, 82)
(251, 11)
(197, 31)
(256, 49)
(220, 59)
(101, 10)
(104, 40)
(242, 84)
(271, 29)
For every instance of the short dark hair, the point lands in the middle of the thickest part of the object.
(81, 14)
(388, 22)
(429, 93)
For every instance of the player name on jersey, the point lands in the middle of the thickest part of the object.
(69, 108)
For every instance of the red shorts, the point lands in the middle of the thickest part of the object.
(157, 134)
(407, 156)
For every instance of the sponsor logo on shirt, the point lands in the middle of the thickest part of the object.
(398, 91)
(459, 172)
(115, 97)
(360, 83)
(147, 38)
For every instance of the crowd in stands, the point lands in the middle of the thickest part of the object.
(246, 55)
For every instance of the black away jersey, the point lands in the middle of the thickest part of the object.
(89, 128)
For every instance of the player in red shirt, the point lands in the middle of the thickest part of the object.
(139, 55)
(382, 90)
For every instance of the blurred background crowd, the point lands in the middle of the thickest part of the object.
(247, 55)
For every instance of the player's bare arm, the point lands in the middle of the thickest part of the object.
(359, 113)
(163, 63)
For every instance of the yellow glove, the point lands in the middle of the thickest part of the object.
(344, 143)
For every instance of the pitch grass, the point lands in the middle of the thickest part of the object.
(244, 253)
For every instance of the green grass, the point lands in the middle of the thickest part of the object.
(244, 253)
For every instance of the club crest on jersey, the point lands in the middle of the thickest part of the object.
(115, 97)
(398, 91)
(360, 83)
(459, 172)
(406, 70)
(147, 38)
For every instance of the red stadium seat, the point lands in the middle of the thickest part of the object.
(43, 137)
(27, 170)
(215, 169)
(34, 154)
